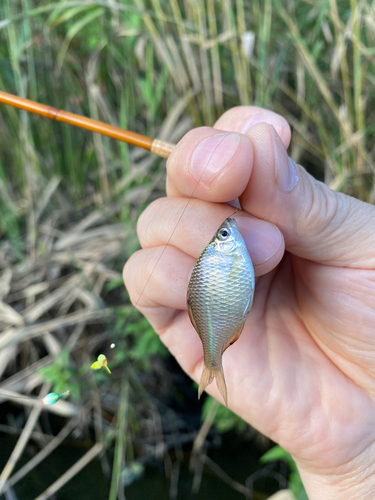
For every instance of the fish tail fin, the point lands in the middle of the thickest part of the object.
(207, 377)
(220, 382)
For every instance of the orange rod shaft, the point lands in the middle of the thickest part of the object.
(77, 120)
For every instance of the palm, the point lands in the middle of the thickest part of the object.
(290, 373)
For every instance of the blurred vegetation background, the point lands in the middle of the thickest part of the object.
(69, 202)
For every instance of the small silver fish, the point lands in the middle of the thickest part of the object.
(220, 295)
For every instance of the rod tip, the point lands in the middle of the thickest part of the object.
(161, 148)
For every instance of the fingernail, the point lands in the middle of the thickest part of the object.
(285, 168)
(213, 154)
(262, 238)
(271, 118)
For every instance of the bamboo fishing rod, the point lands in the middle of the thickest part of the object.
(156, 146)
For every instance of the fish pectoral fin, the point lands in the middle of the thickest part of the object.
(207, 377)
(249, 305)
(236, 336)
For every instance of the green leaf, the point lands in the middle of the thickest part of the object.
(277, 453)
(294, 481)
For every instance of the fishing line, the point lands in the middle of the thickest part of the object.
(234, 213)
(172, 234)
(112, 346)
(177, 223)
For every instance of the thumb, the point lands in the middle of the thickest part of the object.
(317, 223)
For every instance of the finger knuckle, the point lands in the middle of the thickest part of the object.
(325, 211)
(146, 221)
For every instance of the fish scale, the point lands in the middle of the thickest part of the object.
(220, 295)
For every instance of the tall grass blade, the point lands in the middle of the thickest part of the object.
(263, 50)
(216, 69)
(119, 459)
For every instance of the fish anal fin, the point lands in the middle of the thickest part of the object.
(207, 377)
(236, 336)
(191, 316)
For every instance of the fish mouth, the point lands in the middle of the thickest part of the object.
(230, 221)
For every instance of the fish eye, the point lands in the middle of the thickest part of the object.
(223, 233)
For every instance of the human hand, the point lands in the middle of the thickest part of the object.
(303, 369)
